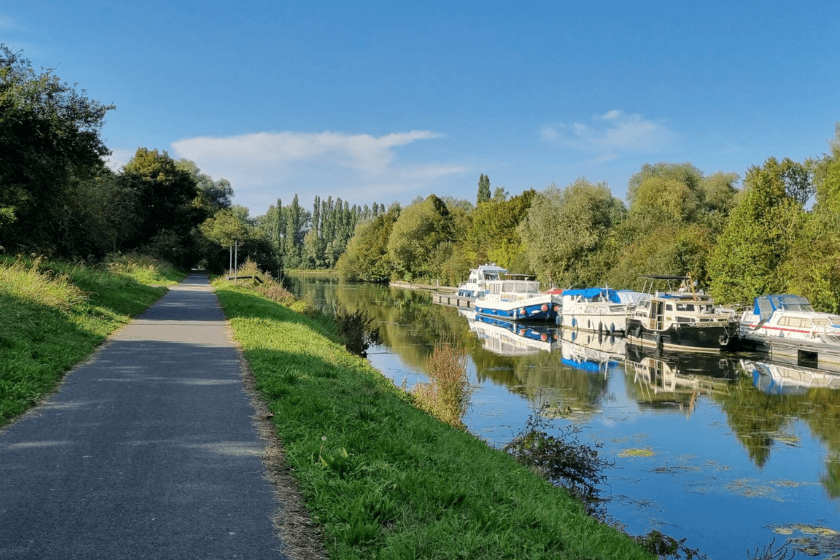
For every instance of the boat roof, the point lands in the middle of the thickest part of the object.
(591, 293)
(779, 301)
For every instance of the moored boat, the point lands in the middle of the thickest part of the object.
(598, 309)
(508, 338)
(790, 317)
(680, 318)
(476, 284)
(517, 299)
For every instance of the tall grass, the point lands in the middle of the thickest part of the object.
(53, 315)
(447, 395)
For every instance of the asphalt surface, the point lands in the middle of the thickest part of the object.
(147, 451)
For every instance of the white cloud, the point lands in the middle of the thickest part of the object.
(360, 168)
(119, 157)
(611, 135)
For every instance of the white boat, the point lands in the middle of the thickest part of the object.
(598, 309)
(789, 317)
(591, 352)
(517, 299)
(476, 284)
(680, 318)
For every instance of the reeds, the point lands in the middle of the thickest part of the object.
(447, 395)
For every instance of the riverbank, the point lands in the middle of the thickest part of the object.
(54, 314)
(385, 480)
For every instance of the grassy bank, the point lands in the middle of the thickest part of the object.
(386, 480)
(54, 314)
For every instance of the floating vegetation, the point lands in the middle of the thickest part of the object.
(636, 453)
(814, 540)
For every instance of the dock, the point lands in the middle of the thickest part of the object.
(795, 351)
(453, 300)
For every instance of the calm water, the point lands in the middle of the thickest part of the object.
(727, 451)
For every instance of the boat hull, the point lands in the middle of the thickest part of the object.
(699, 337)
(532, 309)
(595, 322)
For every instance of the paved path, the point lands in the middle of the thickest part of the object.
(148, 451)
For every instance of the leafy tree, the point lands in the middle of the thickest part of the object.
(565, 228)
(759, 235)
(163, 194)
(684, 173)
(418, 231)
(49, 140)
(212, 195)
(366, 258)
(483, 189)
(493, 235)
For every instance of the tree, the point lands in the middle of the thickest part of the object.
(366, 258)
(565, 229)
(164, 195)
(49, 139)
(483, 189)
(758, 238)
(418, 231)
(493, 235)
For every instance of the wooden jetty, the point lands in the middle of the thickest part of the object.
(797, 352)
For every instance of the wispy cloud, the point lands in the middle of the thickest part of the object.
(358, 167)
(610, 136)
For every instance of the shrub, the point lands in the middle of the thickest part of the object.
(447, 395)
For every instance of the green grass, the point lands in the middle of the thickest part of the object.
(387, 481)
(54, 314)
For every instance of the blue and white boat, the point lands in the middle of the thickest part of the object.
(476, 284)
(508, 338)
(789, 317)
(598, 309)
(517, 299)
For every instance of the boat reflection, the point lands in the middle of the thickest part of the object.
(590, 351)
(776, 378)
(507, 338)
(677, 378)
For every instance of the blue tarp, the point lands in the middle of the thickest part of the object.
(591, 293)
(778, 301)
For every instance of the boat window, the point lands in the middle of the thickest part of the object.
(669, 307)
(821, 321)
(784, 322)
(685, 307)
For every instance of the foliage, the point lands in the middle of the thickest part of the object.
(416, 234)
(494, 234)
(447, 394)
(483, 194)
(366, 258)
(564, 228)
(49, 141)
(759, 235)
(561, 459)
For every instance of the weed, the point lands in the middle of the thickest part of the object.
(447, 395)
(561, 459)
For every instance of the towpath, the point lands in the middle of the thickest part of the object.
(147, 451)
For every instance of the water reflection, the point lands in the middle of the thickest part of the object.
(738, 444)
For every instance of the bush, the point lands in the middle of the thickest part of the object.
(355, 331)
(447, 395)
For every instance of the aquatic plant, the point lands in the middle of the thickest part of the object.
(356, 331)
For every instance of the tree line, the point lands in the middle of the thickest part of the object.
(779, 231)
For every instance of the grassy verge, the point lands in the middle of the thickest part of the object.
(386, 480)
(54, 314)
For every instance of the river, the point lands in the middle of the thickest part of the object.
(730, 452)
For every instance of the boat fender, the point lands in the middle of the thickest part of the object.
(574, 322)
(543, 337)
(724, 339)
(600, 327)
(612, 329)
(659, 341)
(544, 307)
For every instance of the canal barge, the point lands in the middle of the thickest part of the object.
(518, 299)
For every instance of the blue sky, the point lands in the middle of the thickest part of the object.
(387, 101)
